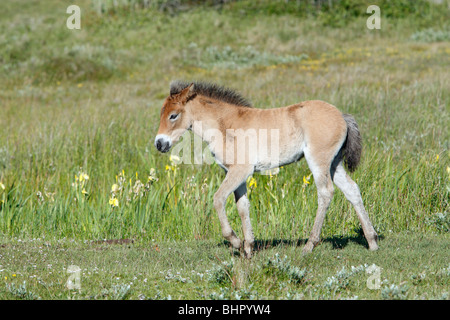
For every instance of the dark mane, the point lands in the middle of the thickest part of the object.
(211, 90)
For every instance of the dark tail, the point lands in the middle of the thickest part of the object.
(353, 145)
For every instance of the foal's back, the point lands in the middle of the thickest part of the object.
(314, 121)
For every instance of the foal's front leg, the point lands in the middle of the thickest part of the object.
(236, 175)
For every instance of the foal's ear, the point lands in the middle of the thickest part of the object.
(187, 93)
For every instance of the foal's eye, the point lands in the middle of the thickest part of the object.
(173, 116)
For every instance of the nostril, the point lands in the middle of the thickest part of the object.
(158, 144)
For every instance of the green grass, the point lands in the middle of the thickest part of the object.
(87, 102)
(412, 267)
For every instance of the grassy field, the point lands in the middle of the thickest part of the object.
(79, 111)
(412, 267)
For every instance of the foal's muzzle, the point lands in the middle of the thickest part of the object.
(162, 143)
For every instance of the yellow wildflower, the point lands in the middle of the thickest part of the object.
(152, 175)
(437, 157)
(114, 202)
(306, 180)
(170, 168)
(115, 187)
(79, 85)
(84, 192)
(82, 177)
(252, 183)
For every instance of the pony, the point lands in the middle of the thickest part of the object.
(226, 121)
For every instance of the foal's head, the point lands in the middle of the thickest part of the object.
(175, 119)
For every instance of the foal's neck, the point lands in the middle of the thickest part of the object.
(208, 116)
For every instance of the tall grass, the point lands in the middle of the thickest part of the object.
(77, 103)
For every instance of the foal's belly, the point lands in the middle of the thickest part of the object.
(287, 153)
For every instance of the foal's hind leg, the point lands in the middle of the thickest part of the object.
(325, 192)
(352, 193)
(243, 207)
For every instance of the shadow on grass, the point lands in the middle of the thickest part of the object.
(337, 242)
